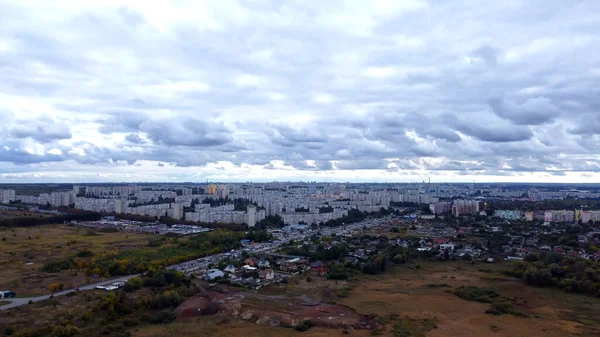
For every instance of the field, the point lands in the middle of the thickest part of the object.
(407, 301)
(23, 252)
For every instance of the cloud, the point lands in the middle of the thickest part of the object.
(487, 54)
(43, 131)
(186, 132)
(379, 90)
(534, 111)
(134, 138)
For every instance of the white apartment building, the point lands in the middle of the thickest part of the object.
(508, 215)
(7, 196)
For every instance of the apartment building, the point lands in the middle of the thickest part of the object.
(7, 196)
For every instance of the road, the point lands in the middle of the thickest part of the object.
(17, 302)
(188, 267)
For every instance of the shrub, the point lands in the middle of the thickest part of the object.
(9, 330)
(164, 317)
(65, 331)
(85, 253)
(438, 285)
(131, 323)
(472, 293)
(86, 317)
(304, 326)
(133, 283)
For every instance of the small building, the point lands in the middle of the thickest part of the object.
(262, 263)
(213, 274)
(318, 268)
(251, 261)
(229, 269)
(266, 274)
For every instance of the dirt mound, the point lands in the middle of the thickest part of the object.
(275, 310)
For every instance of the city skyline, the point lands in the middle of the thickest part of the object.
(343, 91)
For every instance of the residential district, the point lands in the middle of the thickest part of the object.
(448, 221)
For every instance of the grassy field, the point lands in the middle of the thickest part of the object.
(421, 302)
(426, 294)
(23, 252)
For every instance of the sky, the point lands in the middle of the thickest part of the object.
(259, 90)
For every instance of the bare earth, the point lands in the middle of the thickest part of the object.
(402, 291)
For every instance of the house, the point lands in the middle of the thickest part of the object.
(318, 268)
(266, 274)
(213, 274)
(262, 263)
(251, 261)
(237, 276)
(360, 253)
(249, 268)
(351, 259)
(229, 269)
(448, 246)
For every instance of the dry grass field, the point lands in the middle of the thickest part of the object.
(420, 302)
(23, 252)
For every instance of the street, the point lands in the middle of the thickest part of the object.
(191, 266)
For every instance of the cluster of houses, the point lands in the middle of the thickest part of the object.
(260, 271)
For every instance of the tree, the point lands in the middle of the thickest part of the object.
(399, 258)
(65, 331)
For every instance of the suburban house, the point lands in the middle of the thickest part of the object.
(237, 276)
(251, 261)
(318, 268)
(293, 265)
(262, 263)
(266, 274)
(213, 274)
(229, 269)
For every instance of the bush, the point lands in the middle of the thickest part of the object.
(169, 298)
(132, 284)
(86, 317)
(438, 285)
(9, 330)
(308, 279)
(492, 311)
(85, 253)
(131, 323)
(304, 326)
(472, 293)
(164, 317)
(65, 331)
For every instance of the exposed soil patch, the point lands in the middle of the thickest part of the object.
(274, 310)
